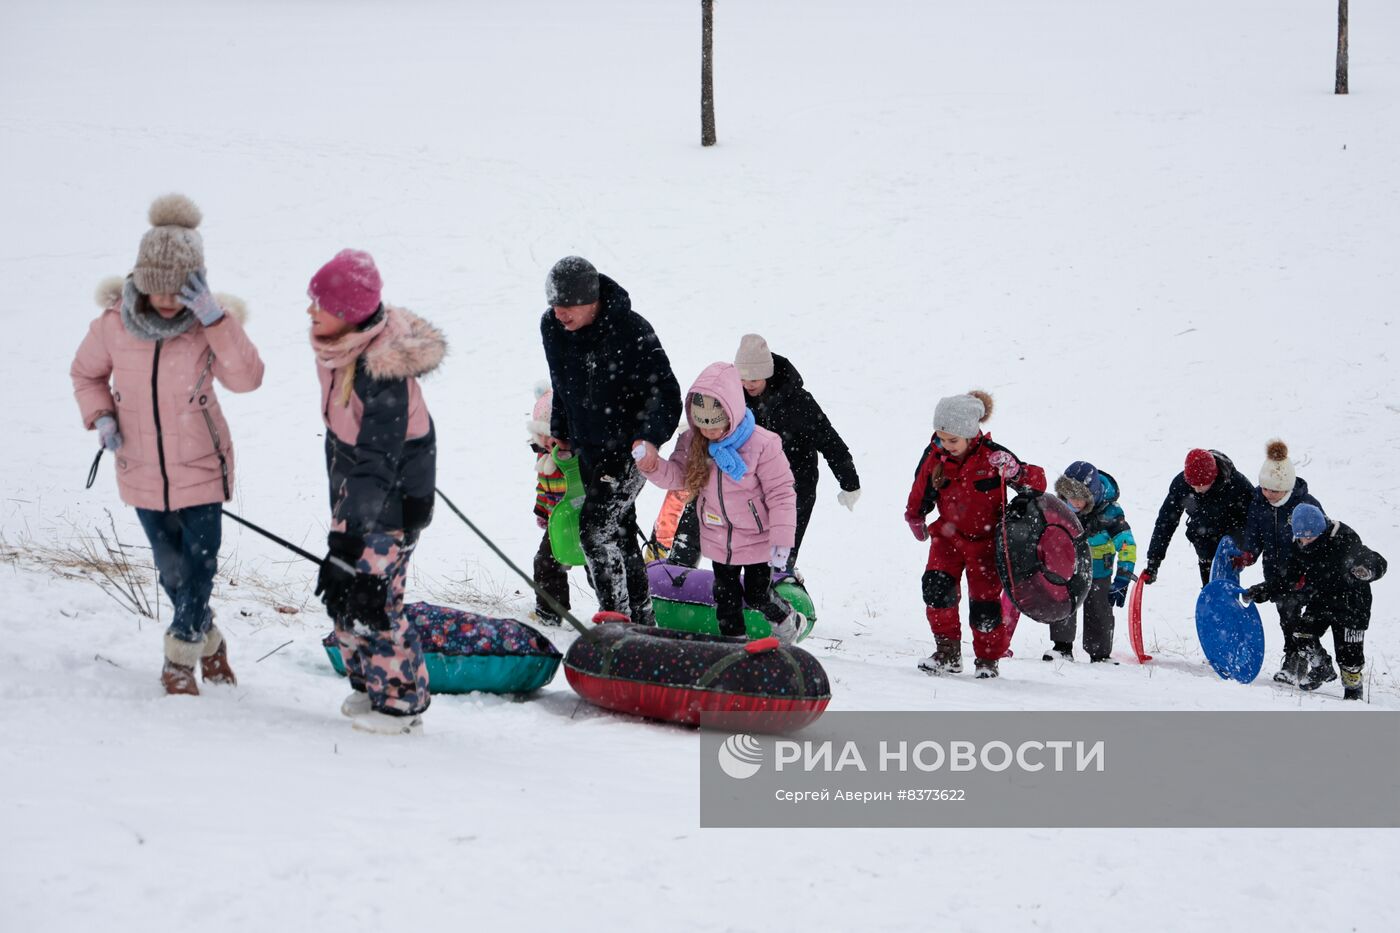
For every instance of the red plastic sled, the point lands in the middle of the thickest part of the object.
(1010, 615)
(1135, 622)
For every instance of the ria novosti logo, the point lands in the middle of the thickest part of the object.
(740, 756)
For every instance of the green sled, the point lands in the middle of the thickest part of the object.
(563, 521)
(689, 606)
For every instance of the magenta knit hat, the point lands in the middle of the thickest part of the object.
(347, 287)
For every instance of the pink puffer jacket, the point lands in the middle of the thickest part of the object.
(739, 521)
(176, 450)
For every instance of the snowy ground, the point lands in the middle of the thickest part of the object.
(1144, 227)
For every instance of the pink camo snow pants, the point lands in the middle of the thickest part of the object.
(387, 665)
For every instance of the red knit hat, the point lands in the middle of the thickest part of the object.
(348, 286)
(1200, 467)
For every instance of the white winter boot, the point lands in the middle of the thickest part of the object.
(356, 704)
(386, 724)
(787, 630)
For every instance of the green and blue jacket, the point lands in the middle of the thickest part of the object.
(1109, 537)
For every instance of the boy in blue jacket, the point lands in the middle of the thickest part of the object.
(1093, 495)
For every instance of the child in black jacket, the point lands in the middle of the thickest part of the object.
(1331, 571)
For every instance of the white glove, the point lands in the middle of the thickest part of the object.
(107, 432)
(195, 295)
(848, 498)
(778, 557)
(644, 452)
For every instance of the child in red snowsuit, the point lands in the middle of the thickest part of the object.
(964, 474)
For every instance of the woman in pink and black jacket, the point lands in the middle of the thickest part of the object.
(381, 459)
(144, 379)
(742, 486)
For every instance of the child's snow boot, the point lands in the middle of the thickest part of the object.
(356, 704)
(177, 676)
(787, 630)
(213, 661)
(1059, 651)
(1320, 669)
(1292, 669)
(1351, 683)
(380, 723)
(986, 668)
(545, 617)
(1102, 660)
(946, 658)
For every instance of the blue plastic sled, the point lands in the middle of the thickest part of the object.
(1229, 630)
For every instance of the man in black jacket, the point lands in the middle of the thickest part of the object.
(613, 390)
(1215, 497)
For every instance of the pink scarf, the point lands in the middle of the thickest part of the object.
(336, 352)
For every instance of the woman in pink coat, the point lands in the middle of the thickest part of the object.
(144, 379)
(743, 490)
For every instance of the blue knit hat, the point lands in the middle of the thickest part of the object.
(1308, 521)
(1080, 481)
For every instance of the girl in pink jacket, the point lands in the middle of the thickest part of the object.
(381, 460)
(743, 490)
(144, 379)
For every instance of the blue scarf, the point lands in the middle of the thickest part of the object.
(726, 450)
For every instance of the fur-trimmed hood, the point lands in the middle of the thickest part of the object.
(109, 297)
(407, 348)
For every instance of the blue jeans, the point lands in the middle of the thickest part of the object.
(185, 545)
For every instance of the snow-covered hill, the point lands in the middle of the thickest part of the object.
(1143, 227)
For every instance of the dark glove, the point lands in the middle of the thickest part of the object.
(338, 571)
(917, 525)
(1119, 592)
(1258, 593)
(1242, 560)
(368, 602)
(1150, 574)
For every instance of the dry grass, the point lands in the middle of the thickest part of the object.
(122, 571)
(127, 573)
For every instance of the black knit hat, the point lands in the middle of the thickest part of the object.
(572, 281)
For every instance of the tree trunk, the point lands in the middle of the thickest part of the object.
(707, 72)
(1341, 47)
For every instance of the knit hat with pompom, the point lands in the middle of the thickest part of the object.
(1277, 472)
(172, 248)
(962, 415)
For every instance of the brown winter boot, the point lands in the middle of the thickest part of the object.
(946, 658)
(177, 676)
(213, 663)
(987, 668)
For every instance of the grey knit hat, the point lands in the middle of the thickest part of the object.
(962, 415)
(573, 281)
(754, 360)
(172, 248)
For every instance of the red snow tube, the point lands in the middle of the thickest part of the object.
(678, 676)
(1042, 557)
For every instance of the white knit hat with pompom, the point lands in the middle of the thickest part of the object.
(1277, 473)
